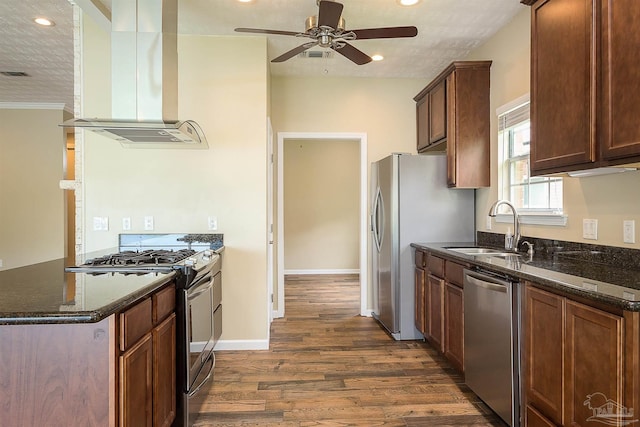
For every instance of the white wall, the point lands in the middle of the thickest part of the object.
(321, 206)
(32, 152)
(609, 199)
(222, 86)
(383, 109)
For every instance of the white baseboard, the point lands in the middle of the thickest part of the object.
(242, 345)
(331, 271)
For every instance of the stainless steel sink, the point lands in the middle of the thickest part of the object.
(476, 251)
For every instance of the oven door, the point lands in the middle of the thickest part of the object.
(199, 332)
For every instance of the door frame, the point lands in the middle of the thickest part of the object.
(361, 138)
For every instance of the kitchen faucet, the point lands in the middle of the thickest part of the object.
(493, 211)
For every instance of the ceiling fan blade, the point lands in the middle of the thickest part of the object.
(385, 33)
(355, 55)
(259, 31)
(294, 52)
(329, 14)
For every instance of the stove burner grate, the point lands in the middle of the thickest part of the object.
(147, 257)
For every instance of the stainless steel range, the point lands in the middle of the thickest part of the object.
(197, 258)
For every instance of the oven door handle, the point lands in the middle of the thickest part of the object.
(200, 288)
(212, 359)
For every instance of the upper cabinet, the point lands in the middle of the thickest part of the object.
(452, 114)
(584, 74)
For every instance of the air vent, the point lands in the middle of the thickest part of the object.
(14, 73)
(316, 54)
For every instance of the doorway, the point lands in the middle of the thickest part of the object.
(361, 140)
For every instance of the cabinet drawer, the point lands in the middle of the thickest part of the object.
(454, 273)
(420, 259)
(135, 323)
(164, 303)
(435, 266)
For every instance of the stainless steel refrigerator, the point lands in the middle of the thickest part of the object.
(411, 203)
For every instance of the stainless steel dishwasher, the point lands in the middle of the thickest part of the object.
(491, 341)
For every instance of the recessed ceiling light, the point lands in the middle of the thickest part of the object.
(377, 57)
(44, 22)
(407, 2)
(245, 1)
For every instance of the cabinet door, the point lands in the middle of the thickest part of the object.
(422, 121)
(620, 133)
(438, 113)
(164, 372)
(454, 325)
(420, 300)
(543, 332)
(136, 392)
(593, 363)
(536, 419)
(562, 86)
(435, 291)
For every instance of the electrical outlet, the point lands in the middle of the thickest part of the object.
(100, 223)
(590, 229)
(488, 226)
(629, 231)
(212, 221)
(126, 223)
(148, 223)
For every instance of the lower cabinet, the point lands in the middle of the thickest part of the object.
(454, 325)
(147, 385)
(439, 307)
(435, 323)
(574, 361)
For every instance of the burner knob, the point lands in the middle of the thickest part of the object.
(208, 253)
(190, 261)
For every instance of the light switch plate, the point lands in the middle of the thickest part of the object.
(212, 222)
(590, 229)
(100, 223)
(629, 231)
(148, 223)
(488, 226)
(126, 223)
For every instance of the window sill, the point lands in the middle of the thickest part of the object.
(535, 219)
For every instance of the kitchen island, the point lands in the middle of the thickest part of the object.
(74, 344)
(579, 323)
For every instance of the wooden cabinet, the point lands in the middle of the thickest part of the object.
(440, 305)
(583, 76)
(452, 115)
(454, 325)
(574, 360)
(542, 338)
(435, 303)
(420, 303)
(147, 384)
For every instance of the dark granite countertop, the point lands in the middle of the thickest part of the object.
(45, 293)
(570, 272)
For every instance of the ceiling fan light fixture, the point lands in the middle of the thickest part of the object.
(407, 2)
(377, 57)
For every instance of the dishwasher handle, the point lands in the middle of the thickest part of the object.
(487, 282)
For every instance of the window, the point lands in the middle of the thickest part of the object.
(532, 196)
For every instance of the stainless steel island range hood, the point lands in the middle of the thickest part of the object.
(144, 79)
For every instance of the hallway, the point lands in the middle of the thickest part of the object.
(328, 366)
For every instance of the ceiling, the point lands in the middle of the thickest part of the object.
(447, 30)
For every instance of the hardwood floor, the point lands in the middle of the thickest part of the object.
(328, 366)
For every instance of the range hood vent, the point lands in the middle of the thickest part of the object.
(144, 79)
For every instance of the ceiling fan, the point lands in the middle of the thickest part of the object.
(327, 30)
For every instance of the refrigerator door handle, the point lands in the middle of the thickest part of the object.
(378, 219)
